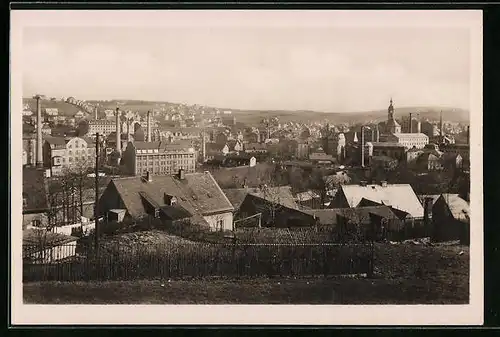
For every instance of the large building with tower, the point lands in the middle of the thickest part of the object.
(393, 132)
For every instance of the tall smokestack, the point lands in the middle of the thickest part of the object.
(95, 113)
(118, 132)
(39, 154)
(149, 126)
(378, 134)
(128, 129)
(441, 123)
(468, 134)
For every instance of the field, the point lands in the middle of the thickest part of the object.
(405, 274)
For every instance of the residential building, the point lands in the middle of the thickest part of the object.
(462, 149)
(46, 130)
(384, 162)
(398, 196)
(51, 111)
(186, 197)
(27, 112)
(389, 149)
(158, 158)
(235, 145)
(275, 206)
(60, 153)
(35, 203)
(214, 151)
(320, 157)
(255, 148)
(29, 147)
(303, 150)
(451, 219)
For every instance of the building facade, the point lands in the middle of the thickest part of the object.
(158, 158)
(60, 153)
(409, 140)
(101, 126)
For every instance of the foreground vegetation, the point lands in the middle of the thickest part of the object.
(404, 274)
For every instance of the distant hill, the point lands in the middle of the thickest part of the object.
(65, 109)
(255, 116)
(454, 115)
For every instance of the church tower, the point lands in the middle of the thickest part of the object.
(390, 111)
(392, 125)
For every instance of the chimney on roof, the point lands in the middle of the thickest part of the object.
(148, 177)
(39, 154)
(181, 174)
(383, 183)
(148, 119)
(363, 183)
(427, 210)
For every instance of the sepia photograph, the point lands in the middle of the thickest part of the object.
(220, 163)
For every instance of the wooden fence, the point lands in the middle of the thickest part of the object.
(203, 260)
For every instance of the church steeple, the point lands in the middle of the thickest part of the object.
(390, 111)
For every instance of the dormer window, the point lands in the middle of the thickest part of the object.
(170, 200)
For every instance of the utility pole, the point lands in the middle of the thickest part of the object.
(96, 207)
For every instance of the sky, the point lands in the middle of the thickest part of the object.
(287, 67)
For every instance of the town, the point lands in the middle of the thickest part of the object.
(123, 190)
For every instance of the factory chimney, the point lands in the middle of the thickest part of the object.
(149, 126)
(96, 113)
(441, 123)
(39, 154)
(118, 132)
(468, 134)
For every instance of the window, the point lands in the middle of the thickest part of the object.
(220, 224)
(70, 159)
(70, 152)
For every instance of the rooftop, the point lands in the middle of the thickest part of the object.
(399, 196)
(197, 194)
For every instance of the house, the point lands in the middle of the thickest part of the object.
(320, 157)
(193, 197)
(51, 111)
(451, 219)
(40, 246)
(452, 160)
(392, 150)
(276, 205)
(46, 130)
(308, 199)
(385, 162)
(80, 114)
(235, 145)
(215, 150)
(412, 156)
(255, 148)
(399, 196)
(379, 219)
(35, 203)
(429, 161)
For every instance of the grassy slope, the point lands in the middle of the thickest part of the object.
(406, 275)
(65, 109)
